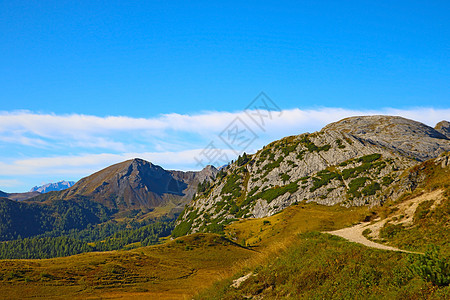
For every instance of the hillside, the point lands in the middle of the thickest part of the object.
(19, 196)
(320, 266)
(353, 162)
(169, 271)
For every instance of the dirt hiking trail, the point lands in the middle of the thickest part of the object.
(404, 215)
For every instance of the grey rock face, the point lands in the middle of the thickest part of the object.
(443, 160)
(353, 162)
(408, 137)
(444, 128)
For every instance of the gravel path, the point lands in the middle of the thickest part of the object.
(406, 209)
(354, 234)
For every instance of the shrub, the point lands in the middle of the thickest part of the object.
(387, 180)
(324, 178)
(390, 230)
(369, 158)
(232, 186)
(355, 184)
(432, 267)
(371, 189)
(285, 177)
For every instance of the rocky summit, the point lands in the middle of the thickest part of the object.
(136, 184)
(407, 137)
(356, 161)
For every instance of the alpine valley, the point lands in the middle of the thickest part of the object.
(357, 210)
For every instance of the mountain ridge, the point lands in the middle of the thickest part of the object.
(52, 186)
(135, 184)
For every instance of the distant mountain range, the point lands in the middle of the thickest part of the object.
(49, 187)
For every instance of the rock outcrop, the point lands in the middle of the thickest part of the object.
(444, 128)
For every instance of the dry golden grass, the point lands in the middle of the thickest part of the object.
(177, 269)
(271, 235)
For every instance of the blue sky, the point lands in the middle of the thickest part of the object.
(84, 84)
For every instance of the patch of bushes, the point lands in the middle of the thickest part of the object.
(288, 148)
(371, 189)
(369, 158)
(390, 230)
(387, 180)
(232, 186)
(313, 147)
(274, 192)
(323, 178)
(285, 177)
(272, 165)
(432, 267)
(339, 143)
(215, 228)
(422, 210)
(355, 185)
(184, 227)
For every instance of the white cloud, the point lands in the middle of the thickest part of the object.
(10, 183)
(79, 164)
(71, 142)
(83, 127)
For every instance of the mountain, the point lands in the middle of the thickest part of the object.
(282, 256)
(58, 186)
(3, 194)
(136, 184)
(353, 162)
(404, 136)
(289, 252)
(121, 191)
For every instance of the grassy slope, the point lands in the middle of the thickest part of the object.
(321, 266)
(431, 221)
(169, 270)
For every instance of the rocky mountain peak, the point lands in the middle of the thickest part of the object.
(399, 134)
(389, 126)
(136, 184)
